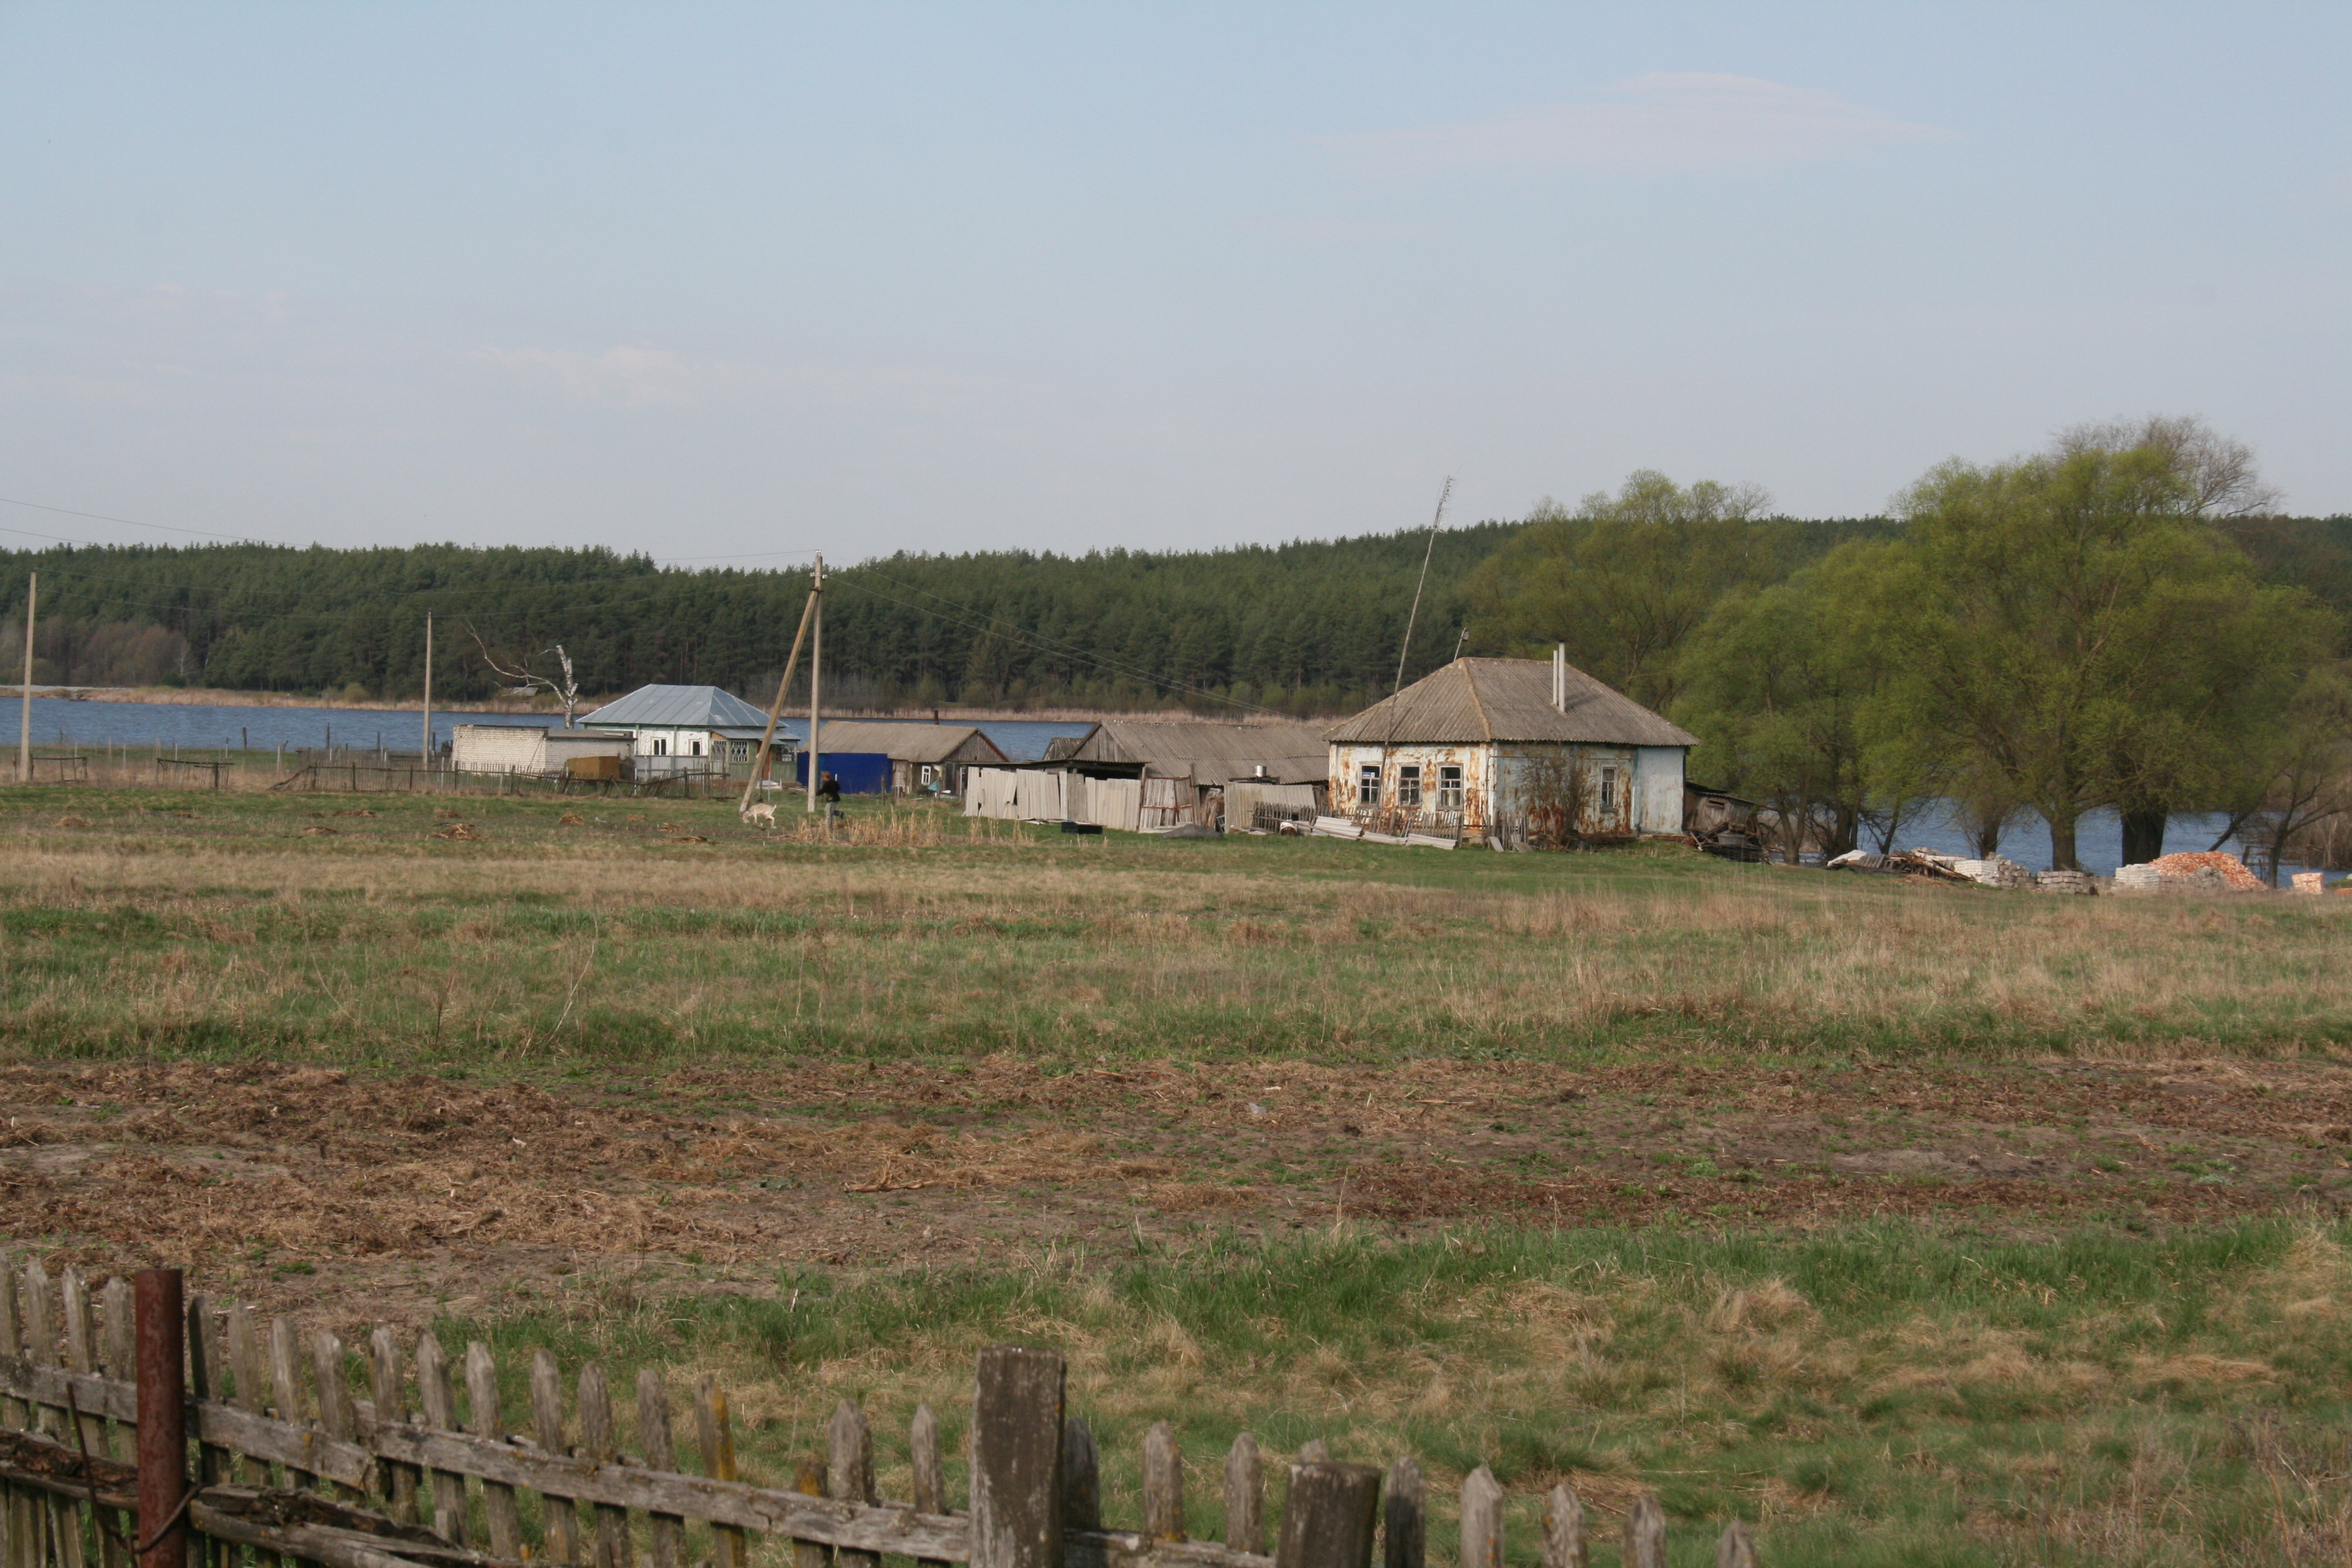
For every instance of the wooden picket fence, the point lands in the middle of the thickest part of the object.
(291, 1467)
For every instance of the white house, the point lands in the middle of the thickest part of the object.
(688, 730)
(1510, 748)
(527, 748)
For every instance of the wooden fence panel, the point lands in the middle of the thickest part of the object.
(1036, 1499)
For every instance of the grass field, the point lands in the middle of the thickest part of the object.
(1918, 1224)
(240, 925)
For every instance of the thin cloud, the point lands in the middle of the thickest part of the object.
(1666, 123)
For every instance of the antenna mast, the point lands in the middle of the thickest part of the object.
(1427, 551)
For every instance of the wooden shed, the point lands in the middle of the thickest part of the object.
(1187, 768)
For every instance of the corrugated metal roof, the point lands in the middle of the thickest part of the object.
(1473, 700)
(1205, 751)
(675, 707)
(910, 742)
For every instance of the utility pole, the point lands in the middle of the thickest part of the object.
(1427, 551)
(776, 709)
(25, 725)
(816, 663)
(425, 760)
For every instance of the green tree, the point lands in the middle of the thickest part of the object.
(2219, 480)
(1624, 579)
(2073, 626)
(2309, 777)
(1779, 683)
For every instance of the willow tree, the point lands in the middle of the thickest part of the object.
(1624, 579)
(1779, 683)
(2071, 625)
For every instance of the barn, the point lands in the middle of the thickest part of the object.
(1512, 750)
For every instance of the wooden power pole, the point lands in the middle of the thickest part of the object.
(25, 722)
(776, 709)
(817, 664)
(425, 761)
(1427, 551)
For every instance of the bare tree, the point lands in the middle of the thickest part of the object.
(2219, 470)
(521, 681)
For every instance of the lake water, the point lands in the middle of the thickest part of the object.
(202, 726)
(2098, 838)
(60, 720)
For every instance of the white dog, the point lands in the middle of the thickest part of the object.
(762, 812)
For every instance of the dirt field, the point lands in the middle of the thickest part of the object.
(352, 1199)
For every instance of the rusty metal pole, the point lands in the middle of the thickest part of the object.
(163, 1418)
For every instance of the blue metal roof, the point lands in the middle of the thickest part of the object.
(675, 707)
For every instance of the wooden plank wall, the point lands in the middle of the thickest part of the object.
(433, 1466)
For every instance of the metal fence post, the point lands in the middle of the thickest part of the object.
(1016, 1459)
(163, 1416)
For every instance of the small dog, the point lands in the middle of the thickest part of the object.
(763, 813)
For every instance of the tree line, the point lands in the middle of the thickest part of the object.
(2120, 620)
(2117, 621)
(1305, 629)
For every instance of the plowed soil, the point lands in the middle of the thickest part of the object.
(347, 1198)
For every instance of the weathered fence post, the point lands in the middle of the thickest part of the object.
(1563, 1535)
(1164, 1485)
(1016, 1459)
(931, 1477)
(1081, 1477)
(558, 1515)
(1482, 1520)
(849, 1471)
(715, 1434)
(1645, 1533)
(1327, 1521)
(1246, 1495)
(1406, 1543)
(162, 1420)
(1735, 1550)
(667, 1530)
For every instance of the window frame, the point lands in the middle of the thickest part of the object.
(1608, 789)
(1449, 786)
(1368, 785)
(1408, 787)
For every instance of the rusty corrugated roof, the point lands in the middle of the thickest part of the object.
(1474, 700)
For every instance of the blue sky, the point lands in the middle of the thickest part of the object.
(708, 282)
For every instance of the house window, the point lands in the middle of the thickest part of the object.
(661, 746)
(697, 747)
(1368, 784)
(1608, 791)
(1409, 786)
(1449, 788)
